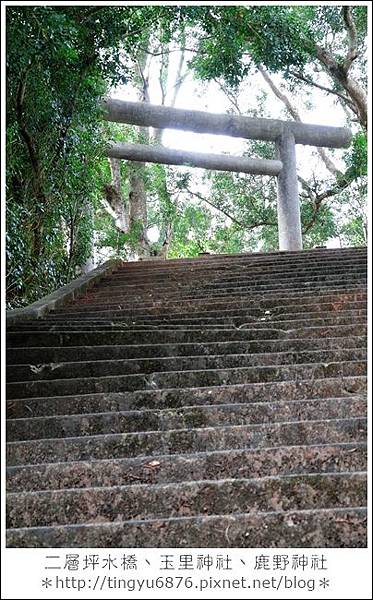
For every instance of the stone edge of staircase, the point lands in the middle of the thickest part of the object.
(62, 295)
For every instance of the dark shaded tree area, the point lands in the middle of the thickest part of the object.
(60, 61)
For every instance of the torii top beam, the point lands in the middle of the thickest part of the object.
(163, 117)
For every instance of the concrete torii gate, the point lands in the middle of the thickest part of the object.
(285, 134)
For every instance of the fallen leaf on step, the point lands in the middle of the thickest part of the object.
(153, 464)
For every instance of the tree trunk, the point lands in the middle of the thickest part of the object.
(138, 218)
(115, 198)
(89, 263)
(349, 84)
(167, 241)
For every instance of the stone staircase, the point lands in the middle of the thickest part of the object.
(209, 402)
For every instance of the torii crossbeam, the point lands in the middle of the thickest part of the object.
(285, 134)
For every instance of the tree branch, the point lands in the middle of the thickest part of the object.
(353, 88)
(318, 198)
(182, 49)
(296, 116)
(179, 78)
(230, 97)
(352, 53)
(313, 219)
(225, 213)
(323, 87)
(87, 14)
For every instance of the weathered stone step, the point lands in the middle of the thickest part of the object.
(116, 322)
(229, 295)
(118, 325)
(116, 317)
(199, 266)
(253, 258)
(185, 277)
(266, 300)
(197, 271)
(240, 309)
(277, 254)
(322, 528)
(174, 398)
(248, 277)
(98, 368)
(182, 418)
(182, 379)
(200, 274)
(207, 277)
(83, 338)
(246, 463)
(286, 493)
(328, 331)
(43, 355)
(313, 270)
(181, 441)
(98, 337)
(229, 262)
(194, 291)
(245, 381)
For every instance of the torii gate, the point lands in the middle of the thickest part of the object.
(285, 134)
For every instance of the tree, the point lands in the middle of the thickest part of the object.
(291, 40)
(152, 55)
(321, 48)
(60, 61)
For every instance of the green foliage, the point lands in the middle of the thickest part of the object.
(352, 232)
(324, 228)
(190, 234)
(357, 157)
(237, 37)
(60, 60)
(282, 38)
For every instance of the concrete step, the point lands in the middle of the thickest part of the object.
(175, 398)
(185, 277)
(301, 297)
(117, 318)
(320, 528)
(175, 468)
(142, 336)
(38, 355)
(225, 496)
(182, 418)
(181, 441)
(229, 262)
(199, 297)
(152, 276)
(194, 291)
(252, 260)
(100, 368)
(231, 278)
(118, 325)
(238, 309)
(184, 379)
(257, 298)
